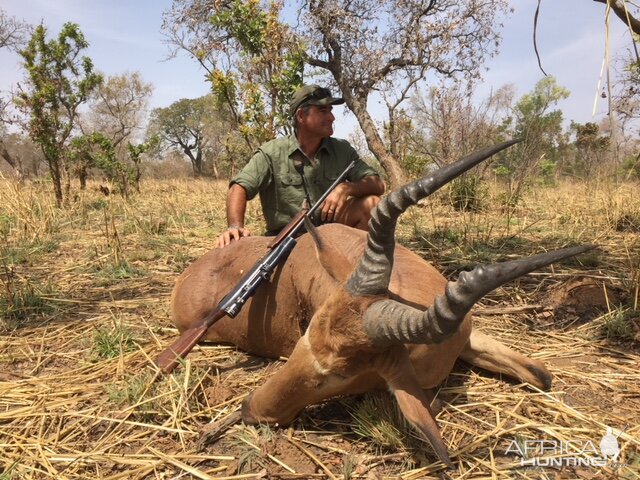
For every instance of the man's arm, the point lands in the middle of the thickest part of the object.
(236, 208)
(370, 185)
(334, 204)
(243, 187)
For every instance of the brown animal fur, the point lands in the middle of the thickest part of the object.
(304, 313)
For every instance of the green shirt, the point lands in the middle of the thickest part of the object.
(271, 174)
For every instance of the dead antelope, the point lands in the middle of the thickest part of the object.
(354, 313)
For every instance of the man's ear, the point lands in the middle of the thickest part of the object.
(300, 114)
(332, 260)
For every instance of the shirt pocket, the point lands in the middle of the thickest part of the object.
(330, 175)
(291, 179)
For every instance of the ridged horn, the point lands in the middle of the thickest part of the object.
(371, 276)
(389, 322)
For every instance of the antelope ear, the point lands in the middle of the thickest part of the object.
(332, 259)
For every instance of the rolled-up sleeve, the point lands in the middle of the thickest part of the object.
(255, 176)
(360, 169)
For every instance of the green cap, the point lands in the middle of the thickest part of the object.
(312, 95)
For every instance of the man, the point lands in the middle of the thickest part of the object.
(281, 168)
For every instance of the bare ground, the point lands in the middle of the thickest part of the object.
(85, 307)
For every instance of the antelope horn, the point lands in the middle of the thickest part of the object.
(389, 322)
(371, 276)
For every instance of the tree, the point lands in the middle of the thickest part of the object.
(252, 59)
(25, 156)
(117, 113)
(13, 162)
(624, 105)
(540, 129)
(625, 102)
(388, 46)
(539, 126)
(591, 147)
(450, 123)
(82, 153)
(182, 126)
(97, 151)
(118, 108)
(136, 153)
(58, 81)
(13, 34)
(369, 48)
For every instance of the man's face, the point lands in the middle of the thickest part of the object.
(318, 121)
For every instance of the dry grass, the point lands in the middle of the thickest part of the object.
(84, 298)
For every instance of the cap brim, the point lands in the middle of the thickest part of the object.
(325, 101)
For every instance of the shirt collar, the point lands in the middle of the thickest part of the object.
(294, 145)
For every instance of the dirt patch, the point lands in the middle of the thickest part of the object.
(582, 298)
(583, 361)
(259, 448)
(219, 394)
(585, 382)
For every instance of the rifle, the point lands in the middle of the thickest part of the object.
(232, 303)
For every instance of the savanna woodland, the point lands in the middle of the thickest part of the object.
(104, 202)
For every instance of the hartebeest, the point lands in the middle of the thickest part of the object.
(354, 312)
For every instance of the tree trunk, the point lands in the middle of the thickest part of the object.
(15, 164)
(67, 182)
(391, 166)
(199, 161)
(124, 188)
(82, 175)
(194, 162)
(137, 176)
(54, 171)
(216, 173)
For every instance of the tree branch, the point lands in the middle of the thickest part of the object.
(623, 13)
(316, 62)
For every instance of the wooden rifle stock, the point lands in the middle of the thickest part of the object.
(171, 356)
(292, 225)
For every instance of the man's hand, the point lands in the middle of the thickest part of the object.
(335, 202)
(232, 233)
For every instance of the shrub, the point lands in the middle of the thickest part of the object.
(618, 325)
(21, 302)
(466, 193)
(112, 343)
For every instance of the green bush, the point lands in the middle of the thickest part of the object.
(120, 271)
(502, 171)
(618, 325)
(548, 172)
(466, 193)
(414, 165)
(112, 343)
(7, 222)
(630, 168)
(21, 302)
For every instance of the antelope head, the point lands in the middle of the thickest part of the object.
(360, 333)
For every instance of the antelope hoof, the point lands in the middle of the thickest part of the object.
(247, 415)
